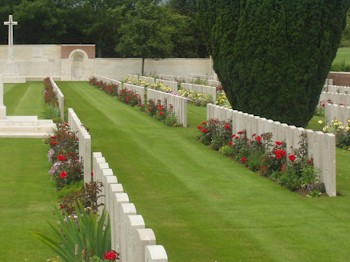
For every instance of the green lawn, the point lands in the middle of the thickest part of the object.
(201, 205)
(343, 54)
(24, 99)
(27, 195)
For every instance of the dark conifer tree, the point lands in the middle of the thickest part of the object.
(273, 56)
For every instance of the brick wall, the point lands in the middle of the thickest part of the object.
(66, 50)
(340, 78)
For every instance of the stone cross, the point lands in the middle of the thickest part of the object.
(10, 23)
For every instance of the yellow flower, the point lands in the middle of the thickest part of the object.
(320, 122)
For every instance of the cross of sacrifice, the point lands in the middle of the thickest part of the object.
(10, 23)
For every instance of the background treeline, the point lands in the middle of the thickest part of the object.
(119, 28)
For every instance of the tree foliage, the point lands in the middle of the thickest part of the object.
(103, 22)
(273, 56)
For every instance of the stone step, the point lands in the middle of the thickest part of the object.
(19, 129)
(26, 126)
(24, 135)
(24, 121)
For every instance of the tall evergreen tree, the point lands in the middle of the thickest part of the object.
(273, 56)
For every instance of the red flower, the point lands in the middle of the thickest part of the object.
(230, 143)
(204, 123)
(240, 132)
(161, 113)
(292, 157)
(227, 126)
(149, 109)
(243, 160)
(92, 173)
(310, 161)
(233, 136)
(278, 143)
(63, 174)
(282, 168)
(199, 127)
(279, 153)
(61, 158)
(111, 255)
(61, 206)
(262, 169)
(54, 143)
(204, 130)
(258, 138)
(52, 137)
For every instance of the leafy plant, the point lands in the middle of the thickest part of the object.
(80, 237)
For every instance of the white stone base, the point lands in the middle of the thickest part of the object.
(2, 112)
(11, 74)
(13, 78)
(25, 126)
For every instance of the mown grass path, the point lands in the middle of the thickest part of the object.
(27, 196)
(201, 205)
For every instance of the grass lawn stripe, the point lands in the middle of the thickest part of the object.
(27, 199)
(26, 192)
(24, 99)
(201, 205)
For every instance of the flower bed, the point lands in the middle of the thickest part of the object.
(293, 171)
(197, 98)
(155, 109)
(111, 89)
(52, 110)
(341, 132)
(64, 156)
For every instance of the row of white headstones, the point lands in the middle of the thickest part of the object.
(129, 236)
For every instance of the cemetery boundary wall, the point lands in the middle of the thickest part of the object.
(129, 235)
(321, 146)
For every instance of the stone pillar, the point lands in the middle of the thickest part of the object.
(2, 107)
